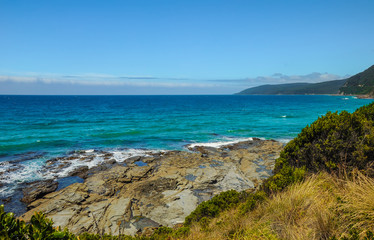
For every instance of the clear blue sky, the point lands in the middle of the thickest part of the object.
(181, 47)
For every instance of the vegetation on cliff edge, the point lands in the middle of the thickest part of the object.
(360, 84)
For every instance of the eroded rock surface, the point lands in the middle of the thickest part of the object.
(37, 190)
(160, 190)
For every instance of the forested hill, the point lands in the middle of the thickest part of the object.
(360, 84)
(330, 87)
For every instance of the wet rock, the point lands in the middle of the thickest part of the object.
(80, 172)
(110, 161)
(7, 200)
(36, 190)
(133, 159)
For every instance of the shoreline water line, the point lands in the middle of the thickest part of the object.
(172, 182)
(75, 167)
(25, 168)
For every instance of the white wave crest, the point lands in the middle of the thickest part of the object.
(218, 144)
(13, 174)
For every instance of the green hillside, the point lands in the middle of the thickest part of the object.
(330, 87)
(360, 84)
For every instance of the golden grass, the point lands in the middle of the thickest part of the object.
(318, 208)
(357, 203)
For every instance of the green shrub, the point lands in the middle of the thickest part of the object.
(336, 143)
(11, 228)
(251, 201)
(214, 206)
(91, 236)
(40, 227)
(181, 232)
(354, 235)
(162, 233)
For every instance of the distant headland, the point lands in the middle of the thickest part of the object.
(360, 85)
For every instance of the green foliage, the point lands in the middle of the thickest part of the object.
(225, 200)
(181, 232)
(40, 227)
(354, 235)
(90, 236)
(10, 228)
(359, 84)
(251, 201)
(214, 206)
(286, 176)
(362, 83)
(336, 143)
(163, 233)
(329, 87)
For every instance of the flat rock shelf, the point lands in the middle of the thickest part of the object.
(129, 197)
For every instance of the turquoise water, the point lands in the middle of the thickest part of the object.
(34, 129)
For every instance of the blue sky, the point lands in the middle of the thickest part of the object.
(179, 47)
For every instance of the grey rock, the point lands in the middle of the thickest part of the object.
(36, 190)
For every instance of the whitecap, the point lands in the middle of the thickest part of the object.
(122, 155)
(217, 144)
(283, 140)
(12, 174)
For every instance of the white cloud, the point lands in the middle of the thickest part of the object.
(97, 83)
(108, 80)
(279, 78)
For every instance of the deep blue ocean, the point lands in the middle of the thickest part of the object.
(34, 129)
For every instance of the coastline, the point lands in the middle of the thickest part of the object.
(158, 189)
(365, 96)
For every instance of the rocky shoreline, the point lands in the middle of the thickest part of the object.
(146, 192)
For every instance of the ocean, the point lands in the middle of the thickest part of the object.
(35, 129)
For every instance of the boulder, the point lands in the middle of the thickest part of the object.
(36, 190)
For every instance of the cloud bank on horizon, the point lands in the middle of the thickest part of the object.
(104, 84)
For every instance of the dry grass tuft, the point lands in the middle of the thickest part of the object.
(356, 206)
(318, 208)
(303, 210)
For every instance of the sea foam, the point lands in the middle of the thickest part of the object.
(12, 174)
(218, 144)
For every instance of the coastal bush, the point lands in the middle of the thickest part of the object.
(336, 143)
(252, 201)
(222, 202)
(212, 207)
(39, 227)
(91, 236)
